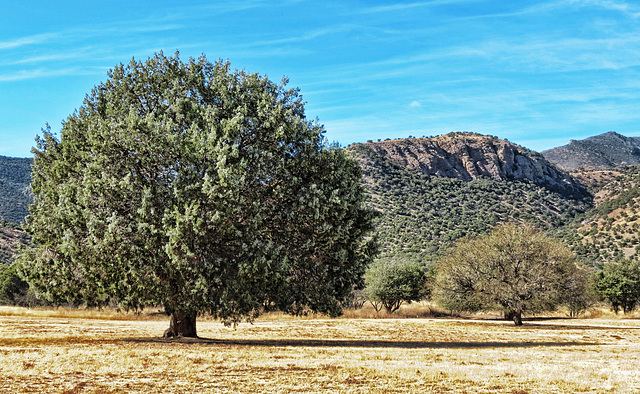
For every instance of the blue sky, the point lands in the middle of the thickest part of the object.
(537, 73)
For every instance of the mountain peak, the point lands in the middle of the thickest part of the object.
(604, 151)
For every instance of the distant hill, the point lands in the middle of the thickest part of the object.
(15, 196)
(433, 191)
(604, 151)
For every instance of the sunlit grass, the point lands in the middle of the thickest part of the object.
(65, 353)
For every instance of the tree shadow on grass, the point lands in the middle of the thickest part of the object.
(538, 323)
(44, 341)
(577, 327)
(354, 343)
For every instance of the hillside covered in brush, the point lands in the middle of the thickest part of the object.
(15, 196)
(604, 151)
(433, 191)
(15, 178)
(611, 230)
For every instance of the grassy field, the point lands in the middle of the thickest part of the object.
(77, 352)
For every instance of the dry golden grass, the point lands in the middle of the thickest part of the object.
(44, 352)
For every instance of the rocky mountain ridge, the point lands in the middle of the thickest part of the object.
(604, 151)
(468, 156)
(433, 191)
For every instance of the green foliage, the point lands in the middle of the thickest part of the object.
(619, 284)
(14, 290)
(198, 187)
(623, 200)
(15, 176)
(11, 286)
(423, 216)
(578, 291)
(389, 283)
(516, 268)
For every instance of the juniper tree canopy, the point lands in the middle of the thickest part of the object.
(198, 187)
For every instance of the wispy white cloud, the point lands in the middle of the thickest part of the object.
(28, 40)
(42, 73)
(55, 57)
(407, 6)
(269, 52)
(311, 35)
(538, 53)
(121, 28)
(231, 6)
(518, 12)
(623, 7)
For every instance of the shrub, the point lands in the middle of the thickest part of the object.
(392, 282)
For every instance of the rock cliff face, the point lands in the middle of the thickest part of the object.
(469, 156)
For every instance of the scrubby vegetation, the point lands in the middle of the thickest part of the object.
(619, 283)
(423, 215)
(515, 268)
(15, 177)
(610, 231)
(11, 235)
(390, 283)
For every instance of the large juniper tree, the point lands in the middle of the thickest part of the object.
(198, 187)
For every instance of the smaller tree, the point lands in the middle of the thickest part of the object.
(389, 283)
(516, 268)
(578, 291)
(356, 300)
(12, 287)
(619, 284)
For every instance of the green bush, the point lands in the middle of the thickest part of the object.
(619, 284)
(13, 290)
(392, 282)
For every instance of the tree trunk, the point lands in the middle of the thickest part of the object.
(181, 325)
(517, 318)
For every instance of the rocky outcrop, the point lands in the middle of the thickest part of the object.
(469, 156)
(604, 151)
